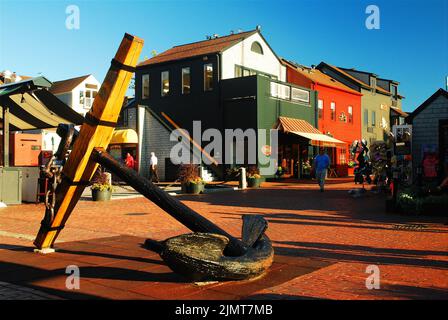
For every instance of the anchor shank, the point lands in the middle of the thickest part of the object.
(185, 215)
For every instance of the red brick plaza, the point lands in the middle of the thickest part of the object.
(323, 243)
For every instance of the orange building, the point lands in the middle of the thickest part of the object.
(339, 110)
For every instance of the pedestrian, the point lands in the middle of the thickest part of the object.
(153, 168)
(321, 165)
(129, 161)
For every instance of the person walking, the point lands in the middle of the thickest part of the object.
(321, 165)
(153, 167)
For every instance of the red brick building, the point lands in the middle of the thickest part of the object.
(339, 109)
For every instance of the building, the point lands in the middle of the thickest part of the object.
(339, 110)
(229, 82)
(380, 98)
(78, 93)
(430, 130)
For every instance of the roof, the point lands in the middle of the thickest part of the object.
(198, 48)
(359, 82)
(319, 77)
(399, 111)
(32, 106)
(378, 88)
(67, 85)
(304, 129)
(439, 92)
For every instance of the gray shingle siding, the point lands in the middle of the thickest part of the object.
(156, 138)
(425, 126)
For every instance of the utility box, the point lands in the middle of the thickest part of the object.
(11, 185)
(25, 149)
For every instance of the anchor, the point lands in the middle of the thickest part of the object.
(209, 253)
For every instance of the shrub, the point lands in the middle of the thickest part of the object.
(253, 172)
(101, 181)
(189, 173)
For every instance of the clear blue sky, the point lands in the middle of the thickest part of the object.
(411, 46)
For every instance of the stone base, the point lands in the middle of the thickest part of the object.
(45, 250)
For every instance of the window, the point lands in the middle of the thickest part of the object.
(245, 72)
(320, 108)
(165, 77)
(393, 90)
(256, 47)
(280, 91)
(238, 72)
(300, 95)
(366, 117)
(145, 86)
(350, 114)
(86, 98)
(186, 80)
(373, 118)
(333, 111)
(208, 77)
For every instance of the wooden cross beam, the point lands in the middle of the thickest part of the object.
(95, 132)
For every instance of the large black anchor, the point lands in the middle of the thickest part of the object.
(209, 253)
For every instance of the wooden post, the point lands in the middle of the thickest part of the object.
(5, 135)
(95, 132)
(189, 218)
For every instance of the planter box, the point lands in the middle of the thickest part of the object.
(193, 188)
(253, 182)
(98, 195)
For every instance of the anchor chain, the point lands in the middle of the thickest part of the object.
(53, 171)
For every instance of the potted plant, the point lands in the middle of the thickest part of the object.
(253, 177)
(351, 168)
(101, 187)
(306, 169)
(190, 180)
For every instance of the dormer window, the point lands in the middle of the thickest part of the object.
(256, 47)
(393, 90)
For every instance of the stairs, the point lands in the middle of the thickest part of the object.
(206, 174)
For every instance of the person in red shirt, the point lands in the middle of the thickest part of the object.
(129, 161)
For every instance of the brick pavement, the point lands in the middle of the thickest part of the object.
(339, 234)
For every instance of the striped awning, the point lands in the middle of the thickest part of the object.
(32, 106)
(304, 129)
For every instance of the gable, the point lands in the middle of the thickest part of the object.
(252, 53)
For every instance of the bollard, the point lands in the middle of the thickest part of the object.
(243, 182)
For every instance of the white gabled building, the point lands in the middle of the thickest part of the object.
(78, 93)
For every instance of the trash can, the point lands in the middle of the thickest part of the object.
(11, 185)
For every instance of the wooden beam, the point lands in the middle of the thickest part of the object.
(95, 132)
(188, 217)
(5, 135)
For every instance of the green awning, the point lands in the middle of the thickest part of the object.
(32, 106)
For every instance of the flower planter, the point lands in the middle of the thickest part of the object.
(193, 188)
(351, 171)
(253, 182)
(101, 195)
